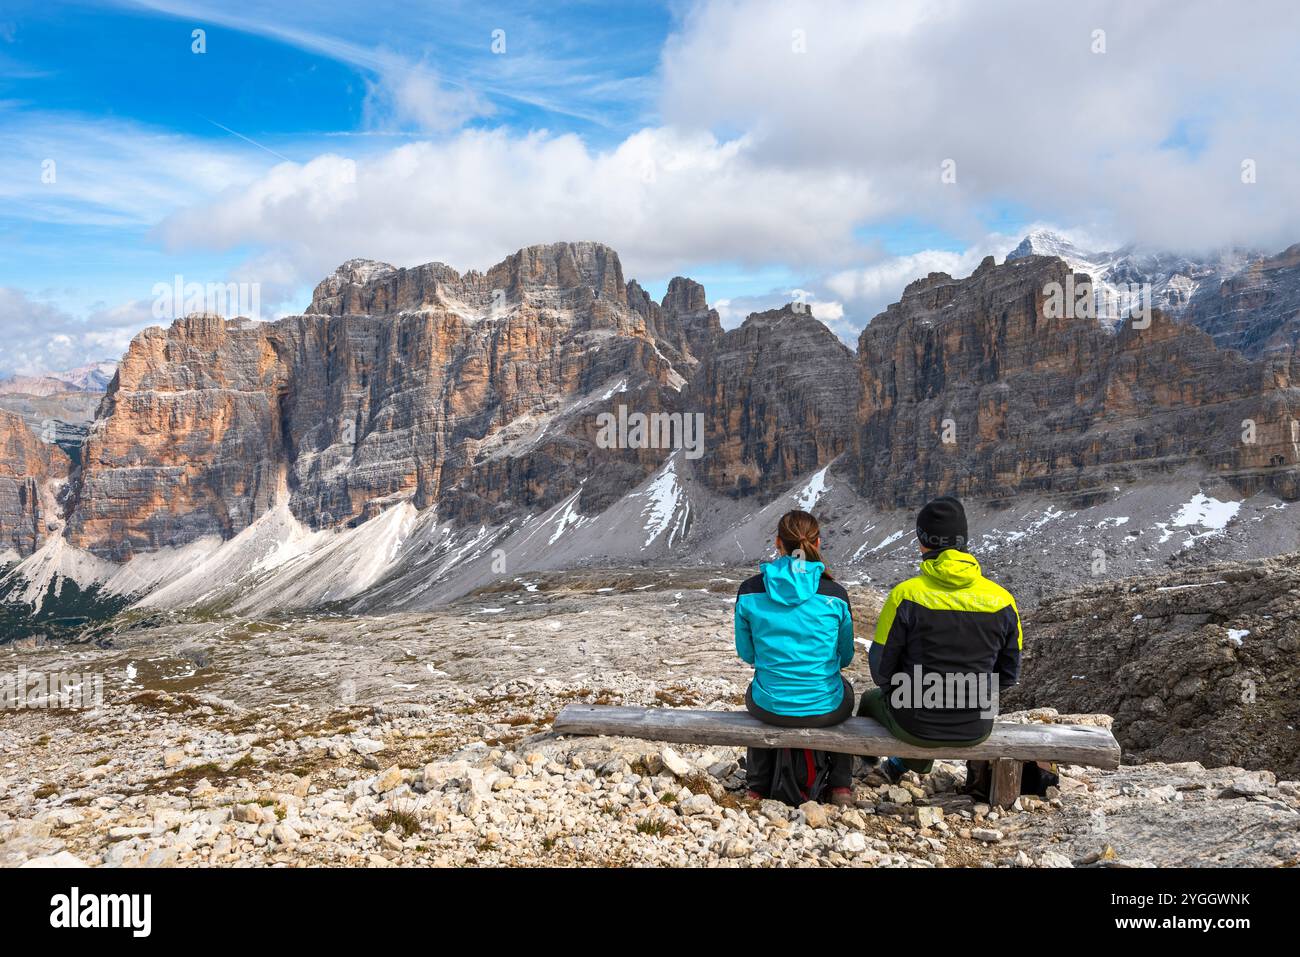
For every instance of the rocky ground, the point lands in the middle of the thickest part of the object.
(425, 740)
(1194, 664)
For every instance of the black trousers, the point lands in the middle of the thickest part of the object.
(759, 762)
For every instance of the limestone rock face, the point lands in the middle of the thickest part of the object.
(698, 324)
(26, 464)
(971, 387)
(779, 396)
(683, 323)
(189, 440)
(478, 392)
(1256, 311)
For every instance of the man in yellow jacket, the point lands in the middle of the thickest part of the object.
(947, 643)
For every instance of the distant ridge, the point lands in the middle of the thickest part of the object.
(93, 377)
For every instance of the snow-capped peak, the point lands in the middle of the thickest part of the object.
(1045, 242)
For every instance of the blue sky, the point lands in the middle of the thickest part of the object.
(759, 146)
(290, 100)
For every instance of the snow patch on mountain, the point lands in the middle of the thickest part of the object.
(1203, 512)
(665, 509)
(808, 496)
(279, 562)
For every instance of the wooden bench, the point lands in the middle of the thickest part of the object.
(1007, 748)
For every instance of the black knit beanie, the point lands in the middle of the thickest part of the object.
(942, 524)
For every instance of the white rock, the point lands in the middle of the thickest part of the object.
(929, 816)
(697, 804)
(248, 813)
(853, 842)
(122, 833)
(1054, 859)
(66, 816)
(814, 814)
(734, 847)
(60, 860)
(389, 780)
(677, 764)
(443, 771)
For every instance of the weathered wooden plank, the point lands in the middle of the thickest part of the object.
(1004, 783)
(1067, 743)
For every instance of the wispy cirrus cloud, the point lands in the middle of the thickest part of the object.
(71, 169)
(429, 67)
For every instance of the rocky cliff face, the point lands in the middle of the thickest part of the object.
(478, 391)
(971, 387)
(779, 396)
(1256, 311)
(26, 465)
(189, 440)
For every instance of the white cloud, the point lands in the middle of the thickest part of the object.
(847, 299)
(38, 337)
(762, 157)
(665, 201)
(1012, 92)
(414, 97)
(869, 289)
(828, 312)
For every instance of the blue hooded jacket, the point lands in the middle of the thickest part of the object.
(795, 627)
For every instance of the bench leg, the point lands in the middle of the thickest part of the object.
(1005, 782)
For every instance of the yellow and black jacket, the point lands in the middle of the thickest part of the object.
(947, 621)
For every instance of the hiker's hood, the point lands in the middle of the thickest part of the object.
(952, 568)
(791, 581)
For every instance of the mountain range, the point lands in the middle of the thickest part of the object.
(418, 432)
(92, 377)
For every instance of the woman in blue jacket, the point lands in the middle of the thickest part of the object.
(795, 626)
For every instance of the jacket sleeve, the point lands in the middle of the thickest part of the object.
(890, 640)
(844, 645)
(744, 636)
(873, 659)
(1013, 640)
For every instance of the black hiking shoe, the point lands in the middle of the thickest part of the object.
(889, 770)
